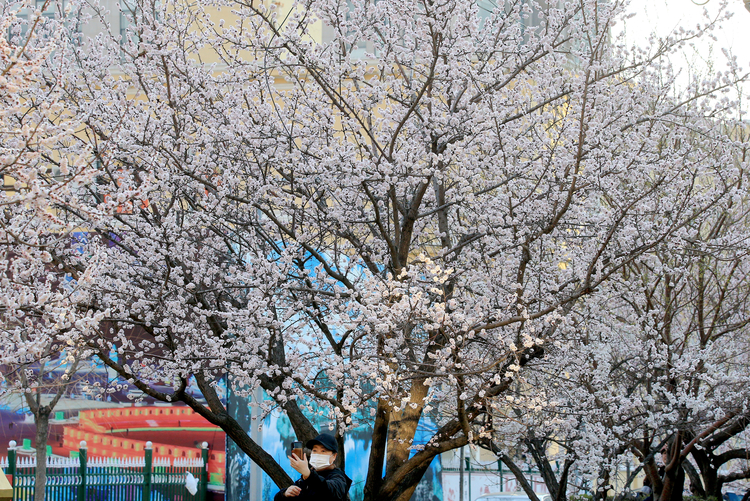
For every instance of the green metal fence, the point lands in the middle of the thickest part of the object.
(97, 478)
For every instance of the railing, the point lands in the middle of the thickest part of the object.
(92, 479)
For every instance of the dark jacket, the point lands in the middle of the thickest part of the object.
(326, 485)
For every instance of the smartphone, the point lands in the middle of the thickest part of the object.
(297, 448)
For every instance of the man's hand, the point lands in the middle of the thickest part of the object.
(292, 491)
(300, 465)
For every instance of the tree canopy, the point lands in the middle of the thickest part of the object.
(401, 215)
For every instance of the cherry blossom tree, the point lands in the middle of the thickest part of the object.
(665, 367)
(42, 170)
(391, 220)
(525, 429)
(42, 385)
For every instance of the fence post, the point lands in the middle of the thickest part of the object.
(82, 457)
(147, 471)
(500, 471)
(12, 464)
(202, 493)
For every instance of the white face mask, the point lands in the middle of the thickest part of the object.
(318, 461)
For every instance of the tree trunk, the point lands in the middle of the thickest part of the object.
(711, 485)
(341, 456)
(520, 477)
(667, 488)
(377, 451)
(696, 486)
(674, 482)
(708, 472)
(652, 472)
(563, 484)
(42, 433)
(537, 447)
(403, 424)
(407, 494)
(602, 487)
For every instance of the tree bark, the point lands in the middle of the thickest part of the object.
(537, 448)
(652, 472)
(563, 484)
(217, 414)
(42, 433)
(377, 451)
(403, 423)
(408, 476)
(695, 479)
(708, 472)
(41, 414)
(602, 488)
(674, 475)
(520, 477)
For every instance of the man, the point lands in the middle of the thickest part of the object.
(321, 480)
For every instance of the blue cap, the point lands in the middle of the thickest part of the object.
(326, 440)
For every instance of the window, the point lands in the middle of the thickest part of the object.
(129, 12)
(18, 30)
(49, 12)
(133, 14)
(528, 17)
(486, 8)
(360, 47)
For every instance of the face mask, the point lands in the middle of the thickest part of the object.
(318, 461)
